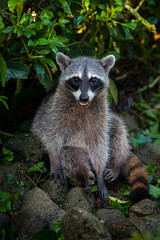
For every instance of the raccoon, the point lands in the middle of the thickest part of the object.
(82, 134)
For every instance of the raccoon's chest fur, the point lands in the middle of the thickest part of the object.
(82, 128)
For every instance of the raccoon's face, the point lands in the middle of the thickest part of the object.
(84, 77)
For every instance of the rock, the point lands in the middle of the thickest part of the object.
(117, 224)
(37, 212)
(79, 224)
(144, 208)
(4, 220)
(150, 153)
(77, 197)
(55, 190)
(151, 224)
(24, 147)
(109, 215)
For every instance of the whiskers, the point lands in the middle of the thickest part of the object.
(68, 86)
(98, 89)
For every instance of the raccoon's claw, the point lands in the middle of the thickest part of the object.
(58, 175)
(109, 175)
(103, 194)
(90, 183)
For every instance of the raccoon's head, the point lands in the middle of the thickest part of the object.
(84, 77)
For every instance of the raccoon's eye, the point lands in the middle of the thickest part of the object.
(94, 80)
(75, 80)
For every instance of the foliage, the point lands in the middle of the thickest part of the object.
(152, 115)
(39, 167)
(7, 155)
(48, 234)
(33, 32)
(146, 236)
(7, 234)
(6, 200)
(139, 139)
(154, 191)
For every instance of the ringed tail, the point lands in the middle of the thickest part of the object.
(137, 177)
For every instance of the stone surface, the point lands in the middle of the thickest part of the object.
(117, 224)
(4, 220)
(77, 197)
(150, 153)
(151, 224)
(55, 190)
(37, 212)
(79, 224)
(145, 207)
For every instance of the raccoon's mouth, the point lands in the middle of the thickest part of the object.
(84, 104)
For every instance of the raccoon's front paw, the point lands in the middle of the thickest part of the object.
(103, 194)
(109, 175)
(90, 183)
(58, 175)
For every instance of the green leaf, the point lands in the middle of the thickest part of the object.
(63, 21)
(65, 6)
(50, 63)
(39, 25)
(3, 70)
(17, 70)
(42, 76)
(1, 22)
(157, 142)
(24, 18)
(56, 43)
(77, 20)
(154, 191)
(114, 91)
(12, 4)
(54, 48)
(45, 16)
(42, 51)
(19, 9)
(4, 103)
(40, 164)
(151, 172)
(42, 41)
(86, 3)
(154, 128)
(19, 85)
(31, 43)
(94, 188)
(119, 2)
(157, 106)
(5, 151)
(46, 234)
(39, 68)
(8, 29)
(128, 25)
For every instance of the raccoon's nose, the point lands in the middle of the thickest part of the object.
(84, 98)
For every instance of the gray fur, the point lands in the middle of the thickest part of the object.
(62, 125)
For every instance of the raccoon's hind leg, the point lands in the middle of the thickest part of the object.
(76, 161)
(119, 149)
(136, 174)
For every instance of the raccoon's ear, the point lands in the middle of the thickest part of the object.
(62, 60)
(108, 62)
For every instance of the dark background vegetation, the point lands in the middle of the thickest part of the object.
(32, 32)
